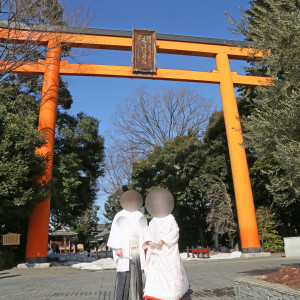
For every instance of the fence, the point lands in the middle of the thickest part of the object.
(96, 254)
(198, 250)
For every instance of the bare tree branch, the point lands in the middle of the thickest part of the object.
(146, 120)
(40, 18)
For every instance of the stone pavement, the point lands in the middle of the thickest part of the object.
(209, 279)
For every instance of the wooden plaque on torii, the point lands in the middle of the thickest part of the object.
(144, 51)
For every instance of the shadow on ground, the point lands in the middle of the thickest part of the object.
(258, 272)
(8, 276)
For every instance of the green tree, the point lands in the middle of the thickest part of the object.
(266, 223)
(112, 205)
(18, 163)
(273, 129)
(78, 163)
(78, 159)
(185, 167)
(19, 110)
(86, 224)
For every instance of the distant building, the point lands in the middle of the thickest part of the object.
(100, 227)
(100, 236)
(62, 239)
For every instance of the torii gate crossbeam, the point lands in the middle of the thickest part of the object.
(53, 67)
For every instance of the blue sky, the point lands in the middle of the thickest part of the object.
(99, 97)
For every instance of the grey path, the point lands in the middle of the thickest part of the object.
(208, 280)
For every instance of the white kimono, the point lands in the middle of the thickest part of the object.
(120, 237)
(165, 276)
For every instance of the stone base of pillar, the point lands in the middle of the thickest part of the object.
(251, 250)
(35, 265)
(255, 255)
(36, 260)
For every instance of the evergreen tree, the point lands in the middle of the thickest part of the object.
(19, 165)
(112, 205)
(268, 235)
(78, 149)
(187, 167)
(78, 163)
(86, 224)
(78, 157)
(273, 129)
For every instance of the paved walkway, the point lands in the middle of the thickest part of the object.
(209, 279)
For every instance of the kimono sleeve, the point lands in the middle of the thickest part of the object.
(115, 237)
(147, 237)
(172, 237)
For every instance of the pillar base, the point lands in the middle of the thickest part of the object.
(251, 250)
(255, 255)
(36, 260)
(35, 266)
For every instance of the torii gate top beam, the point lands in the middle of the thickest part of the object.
(122, 40)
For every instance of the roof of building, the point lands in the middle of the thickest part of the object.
(63, 231)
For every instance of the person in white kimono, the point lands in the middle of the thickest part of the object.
(165, 275)
(126, 240)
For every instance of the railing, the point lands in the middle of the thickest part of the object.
(97, 254)
(199, 250)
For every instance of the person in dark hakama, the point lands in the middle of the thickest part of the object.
(126, 239)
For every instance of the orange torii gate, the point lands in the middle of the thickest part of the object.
(53, 66)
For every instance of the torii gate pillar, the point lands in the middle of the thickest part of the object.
(239, 167)
(38, 228)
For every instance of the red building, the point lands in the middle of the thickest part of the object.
(62, 239)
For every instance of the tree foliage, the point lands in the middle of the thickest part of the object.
(78, 163)
(112, 205)
(86, 224)
(187, 167)
(268, 235)
(273, 128)
(78, 158)
(79, 147)
(18, 163)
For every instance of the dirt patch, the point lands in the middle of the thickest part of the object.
(289, 276)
